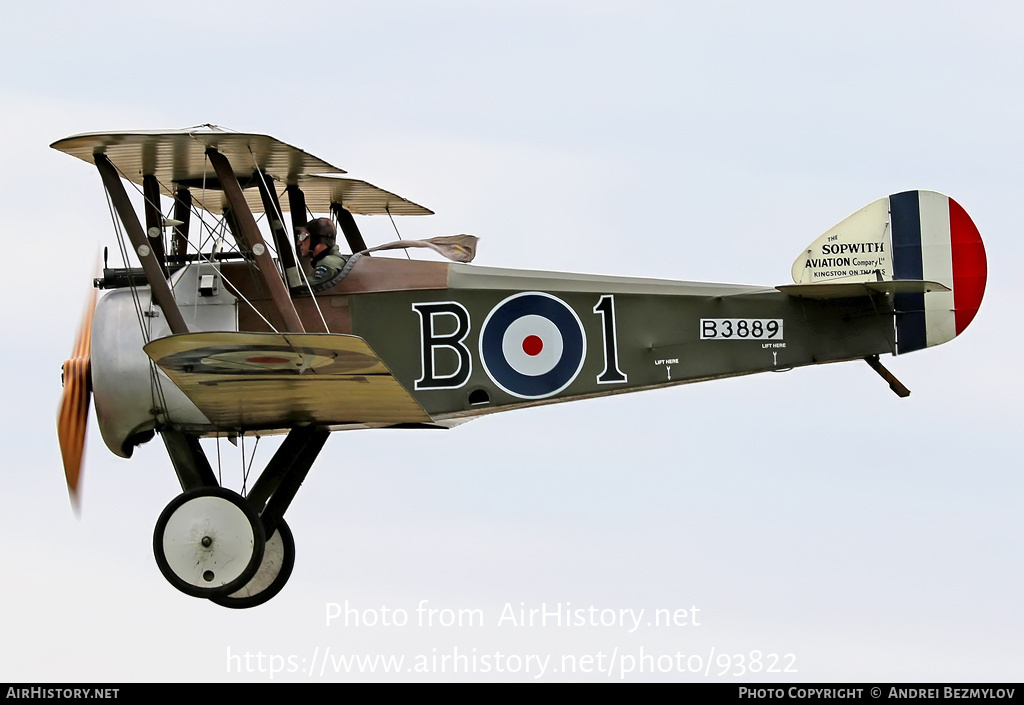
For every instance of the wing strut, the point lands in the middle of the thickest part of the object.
(272, 207)
(154, 219)
(157, 282)
(297, 207)
(183, 214)
(349, 227)
(251, 234)
(894, 384)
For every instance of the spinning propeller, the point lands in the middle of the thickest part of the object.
(73, 416)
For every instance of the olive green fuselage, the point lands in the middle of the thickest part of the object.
(459, 341)
(636, 334)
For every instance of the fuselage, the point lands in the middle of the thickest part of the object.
(465, 340)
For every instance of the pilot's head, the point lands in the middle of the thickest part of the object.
(316, 237)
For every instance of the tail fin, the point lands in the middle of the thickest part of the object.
(909, 236)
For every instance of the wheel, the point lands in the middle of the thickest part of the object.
(208, 542)
(273, 573)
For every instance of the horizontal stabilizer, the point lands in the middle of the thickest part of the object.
(271, 380)
(855, 289)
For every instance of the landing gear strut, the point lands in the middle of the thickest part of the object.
(212, 543)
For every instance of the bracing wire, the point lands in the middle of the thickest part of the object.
(156, 389)
(388, 210)
(198, 211)
(122, 248)
(246, 469)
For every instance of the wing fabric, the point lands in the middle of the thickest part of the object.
(271, 380)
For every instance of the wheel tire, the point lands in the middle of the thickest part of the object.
(208, 542)
(271, 576)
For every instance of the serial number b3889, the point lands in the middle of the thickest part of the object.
(741, 329)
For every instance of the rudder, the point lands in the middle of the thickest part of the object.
(908, 236)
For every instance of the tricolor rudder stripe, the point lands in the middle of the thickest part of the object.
(933, 239)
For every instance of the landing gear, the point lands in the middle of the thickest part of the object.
(212, 543)
(208, 542)
(273, 573)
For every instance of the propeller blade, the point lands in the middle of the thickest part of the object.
(74, 407)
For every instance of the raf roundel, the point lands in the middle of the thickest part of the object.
(532, 345)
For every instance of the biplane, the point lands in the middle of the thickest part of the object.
(210, 328)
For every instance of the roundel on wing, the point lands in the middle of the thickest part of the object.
(532, 345)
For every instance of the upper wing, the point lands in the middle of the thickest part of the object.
(179, 156)
(178, 160)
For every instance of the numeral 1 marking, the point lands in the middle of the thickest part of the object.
(611, 374)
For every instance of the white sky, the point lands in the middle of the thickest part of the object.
(812, 513)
